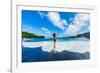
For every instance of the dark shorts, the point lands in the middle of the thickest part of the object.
(55, 40)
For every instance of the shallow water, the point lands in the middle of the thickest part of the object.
(42, 50)
(50, 39)
(37, 55)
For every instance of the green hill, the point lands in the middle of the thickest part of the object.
(86, 35)
(30, 35)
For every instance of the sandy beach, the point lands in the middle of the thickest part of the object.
(73, 46)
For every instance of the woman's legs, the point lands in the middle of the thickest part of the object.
(54, 46)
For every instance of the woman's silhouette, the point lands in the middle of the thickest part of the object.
(54, 41)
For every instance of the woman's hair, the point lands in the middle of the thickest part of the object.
(54, 34)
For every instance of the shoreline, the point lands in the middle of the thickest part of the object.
(37, 55)
(47, 46)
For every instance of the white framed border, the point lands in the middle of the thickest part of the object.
(18, 66)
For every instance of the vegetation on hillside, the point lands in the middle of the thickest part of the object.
(30, 35)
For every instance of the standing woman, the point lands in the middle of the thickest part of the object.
(54, 41)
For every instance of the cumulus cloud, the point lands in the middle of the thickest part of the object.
(45, 29)
(55, 18)
(46, 32)
(79, 21)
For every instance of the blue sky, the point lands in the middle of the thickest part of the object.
(46, 23)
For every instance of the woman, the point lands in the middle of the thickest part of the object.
(54, 40)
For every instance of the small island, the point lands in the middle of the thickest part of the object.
(30, 35)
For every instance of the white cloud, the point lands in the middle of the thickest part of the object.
(47, 32)
(88, 28)
(77, 24)
(54, 17)
(72, 29)
(64, 22)
(41, 14)
(45, 29)
(80, 19)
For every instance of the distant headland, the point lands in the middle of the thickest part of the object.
(30, 35)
